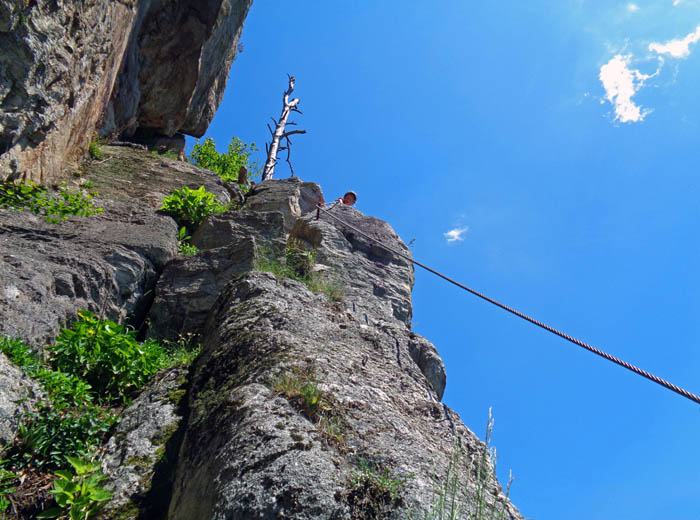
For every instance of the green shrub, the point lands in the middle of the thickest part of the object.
(190, 207)
(66, 422)
(107, 356)
(35, 198)
(226, 165)
(77, 494)
(56, 430)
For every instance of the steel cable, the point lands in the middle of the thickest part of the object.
(590, 348)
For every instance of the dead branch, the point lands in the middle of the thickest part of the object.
(288, 106)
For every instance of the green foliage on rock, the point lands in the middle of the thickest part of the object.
(92, 366)
(226, 165)
(7, 480)
(54, 208)
(78, 495)
(95, 150)
(190, 207)
(107, 356)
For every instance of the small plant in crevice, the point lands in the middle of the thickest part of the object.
(166, 153)
(190, 207)
(302, 388)
(374, 490)
(183, 243)
(53, 208)
(77, 493)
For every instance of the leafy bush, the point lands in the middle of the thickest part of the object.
(77, 494)
(94, 364)
(107, 356)
(226, 165)
(190, 207)
(67, 422)
(29, 196)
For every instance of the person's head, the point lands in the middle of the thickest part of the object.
(350, 198)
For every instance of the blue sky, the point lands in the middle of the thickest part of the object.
(546, 154)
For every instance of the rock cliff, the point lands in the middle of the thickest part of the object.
(228, 439)
(308, 400)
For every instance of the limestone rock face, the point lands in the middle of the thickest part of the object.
(58, 64)
(155, 67)
(292, 395)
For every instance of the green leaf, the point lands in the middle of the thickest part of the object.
(54, 512)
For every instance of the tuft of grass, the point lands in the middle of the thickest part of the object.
(374, 490)
(296, 262)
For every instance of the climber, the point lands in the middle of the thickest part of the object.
(349, 198)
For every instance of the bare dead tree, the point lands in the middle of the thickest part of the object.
(279, 134)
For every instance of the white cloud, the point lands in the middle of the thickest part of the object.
(677, 48)
(676, 2)
(455, 235)
(632, 8)
(620, 84)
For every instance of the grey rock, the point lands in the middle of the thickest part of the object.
(18, 394)
(188, 44)
(58, 64)
(292, 197)
(140, 442)
(248, 452)
(67, 68)
(376, 283)
(106, 263)
(230, 243)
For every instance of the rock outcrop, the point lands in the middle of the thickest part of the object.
(130, 67)
(108, 263)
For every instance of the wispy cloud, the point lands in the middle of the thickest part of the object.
(455, 235)
(676, 2)
(677, 48)
(632, 7)
(620, 84)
